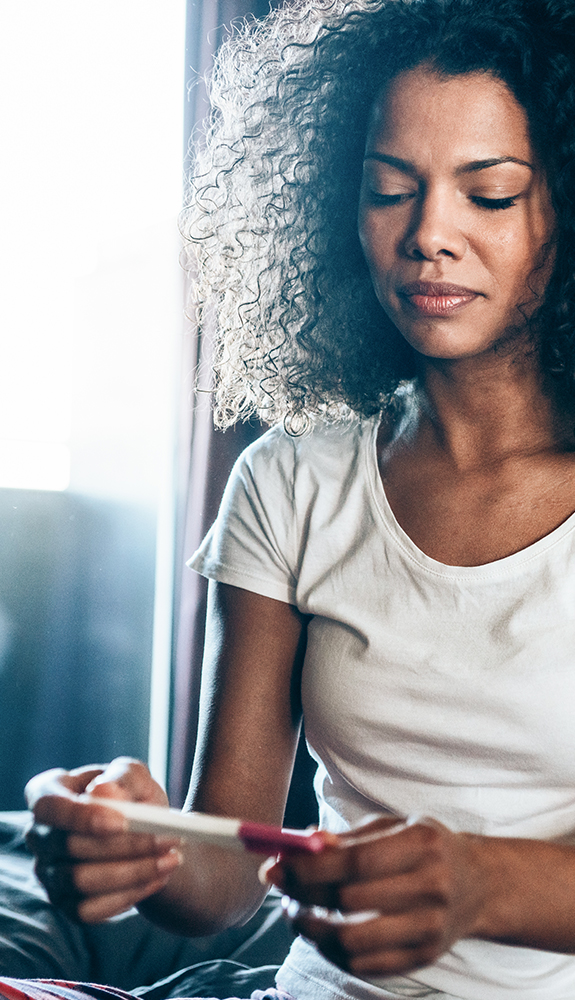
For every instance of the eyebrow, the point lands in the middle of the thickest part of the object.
(466, 168)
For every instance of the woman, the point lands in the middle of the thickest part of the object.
(383, 222)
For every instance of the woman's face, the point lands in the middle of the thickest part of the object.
(454, 212)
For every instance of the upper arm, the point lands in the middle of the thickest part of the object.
(250, 705)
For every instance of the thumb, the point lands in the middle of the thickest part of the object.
(128, 779)
(59, 782)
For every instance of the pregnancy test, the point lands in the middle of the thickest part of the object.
(219, 830)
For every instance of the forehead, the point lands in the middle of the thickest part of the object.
(471, 116)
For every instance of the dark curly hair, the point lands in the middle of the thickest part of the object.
(271, 217)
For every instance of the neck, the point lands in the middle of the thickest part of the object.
(481, 410)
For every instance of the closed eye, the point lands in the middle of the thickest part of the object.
(493, 204)
(389, 199)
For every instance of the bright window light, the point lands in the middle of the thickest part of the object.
(90, 188)
(34, 465)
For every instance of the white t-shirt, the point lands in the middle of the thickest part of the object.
(441, 690)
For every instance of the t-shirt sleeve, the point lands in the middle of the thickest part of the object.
(250, 545)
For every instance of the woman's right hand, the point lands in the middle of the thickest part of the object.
(91, 867)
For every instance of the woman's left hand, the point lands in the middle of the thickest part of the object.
(414, 889)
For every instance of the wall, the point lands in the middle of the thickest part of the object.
(76, 605)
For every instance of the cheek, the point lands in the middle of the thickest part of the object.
(523, 268)
(494, 236)
(365, 233)
(377, 243)
(516, 252)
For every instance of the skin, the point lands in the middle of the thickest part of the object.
(435, 211)
(249, 724)
(484, 468)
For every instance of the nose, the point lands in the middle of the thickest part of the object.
(435, 231)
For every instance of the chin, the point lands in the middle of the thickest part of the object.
(449, 348)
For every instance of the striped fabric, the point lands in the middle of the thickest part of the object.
(47, 989)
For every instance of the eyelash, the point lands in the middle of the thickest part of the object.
(389, 199)
(491, 204)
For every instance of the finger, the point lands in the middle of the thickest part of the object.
(99, 908)
(57, 781)
(379, 945)
(51, 845)
(391, 932)
(321, 932)
(47, 843)
(395, 894)
(322, 862)
(53, 797)
(117, 846)
(392, 851)
(67, 883)
(70, 813)
(386, 853)
(58, 882)
(94, 879)
(375, 827)
(392, 961)
(338, 861)
(127, 778)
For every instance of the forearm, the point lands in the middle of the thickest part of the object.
(529, 897)
(213, 889)
(248, 730)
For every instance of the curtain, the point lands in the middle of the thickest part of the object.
(205, 455)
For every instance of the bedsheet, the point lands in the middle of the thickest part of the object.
(127, 952)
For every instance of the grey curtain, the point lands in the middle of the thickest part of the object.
(205, 455)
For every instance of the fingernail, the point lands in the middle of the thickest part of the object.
(263, 870)
(291, 907)
(170, 860)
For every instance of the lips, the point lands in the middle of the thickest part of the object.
(436, 298)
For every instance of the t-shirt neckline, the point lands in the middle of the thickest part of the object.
(499, 567)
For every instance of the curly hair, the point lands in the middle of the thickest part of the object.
(271, 217)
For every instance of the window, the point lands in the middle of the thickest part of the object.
(91, 316)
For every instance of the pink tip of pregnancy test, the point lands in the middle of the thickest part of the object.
(262, 839)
